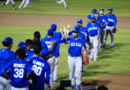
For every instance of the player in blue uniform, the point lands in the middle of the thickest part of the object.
(75, 48)
(21, 45)
(94, 34)
(99, 20)
(37, 36)
(57, 35)
(29, 44)
(6, 55)
(112, 20)
(41, 68)
(105, 22)
(89, 16)
(48, 42)
(19, 69)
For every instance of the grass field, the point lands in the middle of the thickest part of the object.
(76, 7)
(110, 61)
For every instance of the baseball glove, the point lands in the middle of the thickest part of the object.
(86, 58)
(114, 30)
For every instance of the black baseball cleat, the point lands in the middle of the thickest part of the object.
(55, 81)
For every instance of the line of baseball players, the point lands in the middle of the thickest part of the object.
(26, 2)
(35, 61)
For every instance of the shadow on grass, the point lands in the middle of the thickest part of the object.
(109, 52)
(96, 83)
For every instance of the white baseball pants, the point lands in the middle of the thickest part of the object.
(7, 2)
(94, 44)
(55, 70)
(4, 84)
(13, 88)
(51, 62)
(75, 65)
(27, 2)
(62, 1)
(111, 34)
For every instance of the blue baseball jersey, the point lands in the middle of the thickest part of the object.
(42, 71)
(93, 29)
(99, 21)
(104, 20)
(112, 20)
(5, 57)
(83, 36)
(75, 47)
(28, 53)
(48, 41)
(56, 36)
(19, 69)
(84, 31)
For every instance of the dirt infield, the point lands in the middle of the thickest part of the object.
(47, 20)
(112, 82)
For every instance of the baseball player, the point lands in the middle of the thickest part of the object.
(75, 48)
(56, 35)
(112, 20)
(41, 68)
(105, 22)
(89, 16)
(21, 45)
(83, 30)
(98, 20)
(37, 36)
(48, 42)
(7, 2)
(19, 68)
(62, 1)
(29, 44)
(6, 55)
(27, 2)
(94, 34)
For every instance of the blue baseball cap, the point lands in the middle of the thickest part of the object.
(50, 32)
(93, 11)
(89, 16)
(77, 26)
(96, 12)
(44, 52)
(92, 17)
(110, 9)
(8, 39)
(79, 21)
(53, 26)
(75, 30)
(22, 44)
(101, 9)
(81, 35)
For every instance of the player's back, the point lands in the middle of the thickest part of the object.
(28, 53)
(84, 31)
(56, 35)
(5, 57)
(39, 66)
(19, 69)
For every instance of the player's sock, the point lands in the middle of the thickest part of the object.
(13, 5)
